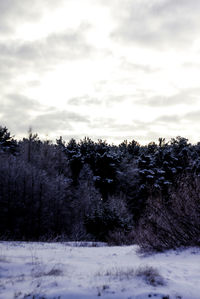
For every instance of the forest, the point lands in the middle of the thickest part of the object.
(95, 191)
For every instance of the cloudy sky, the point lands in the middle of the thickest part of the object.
(106, 69)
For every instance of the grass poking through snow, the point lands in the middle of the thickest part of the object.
(149, 274)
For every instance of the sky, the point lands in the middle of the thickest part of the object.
(104, 69)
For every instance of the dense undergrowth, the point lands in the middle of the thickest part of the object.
(90, 190)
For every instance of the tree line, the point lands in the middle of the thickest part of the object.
(87, 190)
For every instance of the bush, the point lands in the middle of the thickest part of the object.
(174, 221)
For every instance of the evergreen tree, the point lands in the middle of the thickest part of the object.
(7, 142)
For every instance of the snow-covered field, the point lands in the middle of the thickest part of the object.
(61, 270)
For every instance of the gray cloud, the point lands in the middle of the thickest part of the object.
(193, 116)
(129, 66)
(57, 120)
(167, 119)
(16, 111)
(10, 12)
(186, 96)
(13, 13)
(17, 103)
(66, 45)
(92, 101)
(158, 23)
(19, 113)
(113, 125)
(84, 100)
(112, 99)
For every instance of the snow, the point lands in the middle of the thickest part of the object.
(69, 271)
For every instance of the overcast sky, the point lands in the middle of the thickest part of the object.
(106, 69)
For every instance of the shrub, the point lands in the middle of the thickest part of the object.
(174, 221)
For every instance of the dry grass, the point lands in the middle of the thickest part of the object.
(118, 273)
(39, 272)
(149, 274)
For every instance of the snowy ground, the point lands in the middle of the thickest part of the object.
(55, 270)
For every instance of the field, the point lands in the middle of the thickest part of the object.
(90, 270)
